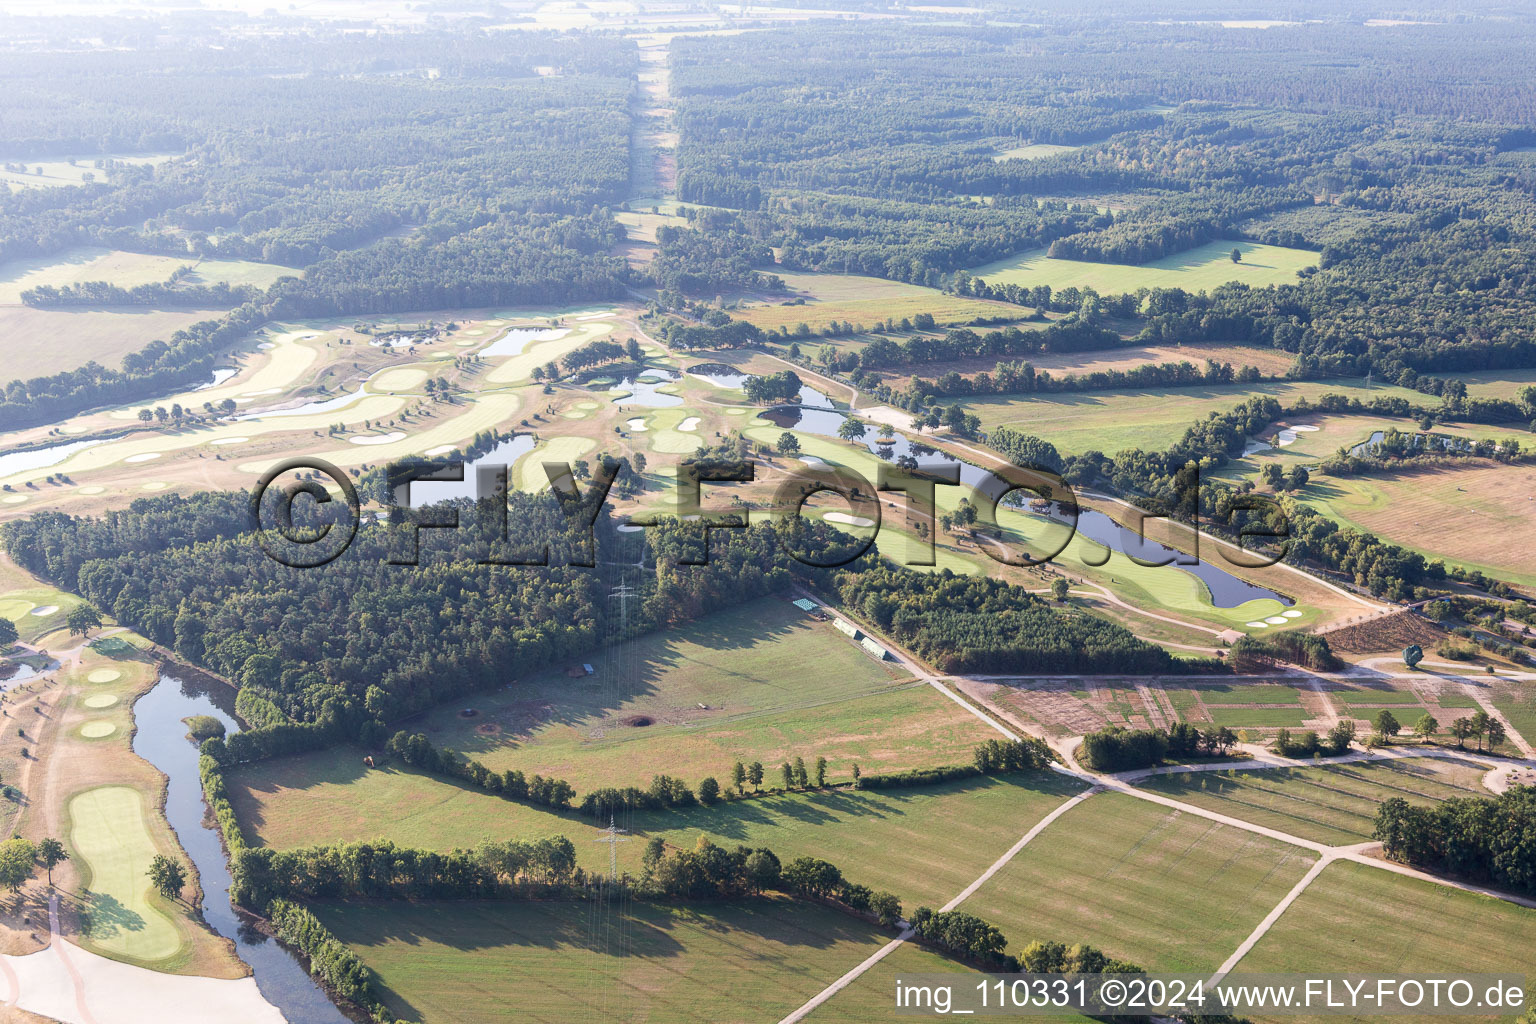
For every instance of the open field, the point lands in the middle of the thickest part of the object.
(56, 173)
(1111, 421)
(449, 963)
(763, 682)
(109, 836)
(864, 300)
(127, 269)
(1367, 921)
(1199, 269)
(923, 844)
(1034, 151)
(1332, 804)
(1257, 718)
(1161, 889)
(39, 342)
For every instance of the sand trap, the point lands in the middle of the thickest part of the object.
(442, 449)
(155, 485)
(691, 423)
(97, 730)
(93, 489)
(389, 438)
(629, 528)
(105, 675)
(230, 440)
(143, 457)
(42, 611)
(1257, 625)
(17, 499)
(442, 355)
(267, 345)
(637, 424)
(1275, 620)
(847, 520)
(1292, 614)
(101, 700)
(263, 391)
(1289, 435)
(74, 428)
(811, 460)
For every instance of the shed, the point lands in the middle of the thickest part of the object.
(847, 627)
(880, 653)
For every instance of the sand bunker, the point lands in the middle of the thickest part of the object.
(691, 423)
(93, 489)
(155, 485)
(101, 700)
(1292, 614)
(392, 436)
(97, 730)
(17, 499)
(229, 440)
(847, 520)
(143, 457)
(442, 449)
(44, 610)
(1275, 620)
(637, 424)
(105, 675)
(1257, 625)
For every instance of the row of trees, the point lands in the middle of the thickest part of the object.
(1486, 839)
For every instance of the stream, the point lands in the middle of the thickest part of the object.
(161, 740)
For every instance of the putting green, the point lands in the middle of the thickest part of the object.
(104, 675)
(108, 831)
(14, 608)
(398, 380)
(101, 700)
(97, 730)
(93, 489)
(528, 473)
(155, 485)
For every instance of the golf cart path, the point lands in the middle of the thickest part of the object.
(72, 985)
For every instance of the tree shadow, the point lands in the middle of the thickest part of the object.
(103, 916)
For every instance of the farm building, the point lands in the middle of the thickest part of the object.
(847, 627)
(880, 653)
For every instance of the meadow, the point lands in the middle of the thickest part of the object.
(1152, 420)
(126, 269)
(1200, 269)
(1161, 889)
(48, 341)
(1368, 921)
(1330, 804)
(57, 173)
(864, 300)
(762, 682)
(630, 961)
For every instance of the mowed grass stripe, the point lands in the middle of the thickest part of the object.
(109, 834)
(473, 962)
(1154, 886)
(1331, 804)
(1365, 920)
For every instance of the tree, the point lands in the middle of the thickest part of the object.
(789, 775)
(856, 775)
(1426, 726)
(1297, 478)
(1237, 255)
(709, 791)
(1496, 733)
(8, 632)
(739, 776)
(886, 908)
(1461, 728)
(755, 775)
(850, 429)
(52, 853)
(17, 860)
(821, 773)
(1387, 725)
(167, 876)
(802, 778)
(1059, 589)
(788, 444)
(1479, 727)
(82, 618)
(145, 416)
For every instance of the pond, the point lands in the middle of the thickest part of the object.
(160, 739)
(1225, 589)
(220, 375)
(42, 458)
(516, 339)
(319, 405)
(479, 475)
(643, 388)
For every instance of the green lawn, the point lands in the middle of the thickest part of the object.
(1200, 269)
(1358, 697)
(127, 269)
(1518, 702)
(1245, 693)
(923, 844)
(38, 611)
(473, 962)
(1164, 890)
(1335, 805)
(761, 682)
(1257, 718)
(1358, 919)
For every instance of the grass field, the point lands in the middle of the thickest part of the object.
(774, 683)
(127, 269)
(1111, 421)
(24, 604)
(453, 963)
(1034, 151)
(56, 173)
(1357, 919)
(864, 300)
(1335, 805)
(923, 844)
(108, 834)
(1199, 269)
(1161, 889)
(1518, 702)
(48, 341)
(1257, 718)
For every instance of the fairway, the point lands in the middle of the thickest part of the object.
(1196, 270)
(761, 682)
(108, 834)
(1333, 804)
(1358, 918)
(1161, 889)
(450, 963)
(864, 300)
